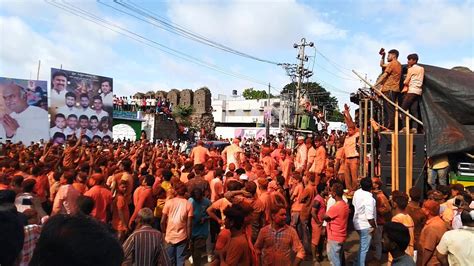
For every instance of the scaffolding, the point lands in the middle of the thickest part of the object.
(367, 136)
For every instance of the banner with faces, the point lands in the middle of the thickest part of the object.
(23, 110)
(80, 104)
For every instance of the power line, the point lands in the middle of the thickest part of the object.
(326, 84)
(338, 67)
(144, 40)
(334, 74)
(331, 62)
(174, 28)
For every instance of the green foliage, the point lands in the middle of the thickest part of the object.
(183, 111)
(320, 97)
(182, 114)
(251, 94)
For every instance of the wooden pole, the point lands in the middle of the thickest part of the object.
(395, 133)
(387, 99)
(407, 154)
(361, 133)
(366, 102)
(39, 67)
(394, 148)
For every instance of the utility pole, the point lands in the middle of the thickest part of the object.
(268, 116)
(301, 72)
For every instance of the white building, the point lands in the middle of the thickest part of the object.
(236, 117)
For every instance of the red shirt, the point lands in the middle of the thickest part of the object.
(102, 198)
(142, 198)
(42, 187)
(337, 227)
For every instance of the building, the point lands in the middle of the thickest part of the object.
(236, 117)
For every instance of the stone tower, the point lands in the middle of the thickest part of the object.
(160, 94)
(202, 101)
(186, 97)
(173, 97)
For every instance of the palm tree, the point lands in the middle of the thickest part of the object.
(182, 114)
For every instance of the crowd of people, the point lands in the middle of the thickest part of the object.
(149, 104)
(140, 203)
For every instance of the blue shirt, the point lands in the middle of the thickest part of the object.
(199, 213)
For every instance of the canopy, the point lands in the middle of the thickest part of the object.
(447, 110)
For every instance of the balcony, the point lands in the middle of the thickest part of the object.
(128, 115)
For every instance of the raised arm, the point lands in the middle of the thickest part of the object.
(347, 116)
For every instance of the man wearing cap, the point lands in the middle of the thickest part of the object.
(431, 234)
(301, 155)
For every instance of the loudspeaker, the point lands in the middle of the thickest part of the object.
(304, 122)
(418, 150)
(419, 178)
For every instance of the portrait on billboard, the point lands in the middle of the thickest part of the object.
(23, 110)
(81, 104)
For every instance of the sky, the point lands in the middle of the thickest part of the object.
(130, 49)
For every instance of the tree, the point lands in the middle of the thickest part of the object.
(182, 114)
(320, 97)
(251, 94)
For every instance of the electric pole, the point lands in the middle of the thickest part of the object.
(301, 72)
(268, 115)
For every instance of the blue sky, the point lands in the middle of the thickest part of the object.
(349, 33)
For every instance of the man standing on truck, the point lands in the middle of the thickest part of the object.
(390, 81)
(412, 89)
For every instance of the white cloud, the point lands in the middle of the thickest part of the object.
(465, 62)
(440, 22)
(427, 22)
(256, 25)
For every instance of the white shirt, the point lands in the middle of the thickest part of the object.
(87, 133)
(81, 111)
(459, 245)
(232, 152)
(54, 130)
(69, 131)
(183, 146)
(301, 156)
(33, 125)
(57, 99)
(66, 111)
(95, 132)
(101, 134)
(99, 115)
(107, 99)
(415, 74)
(364, 209)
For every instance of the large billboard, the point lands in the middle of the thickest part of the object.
(23, 110)
(81, 104)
